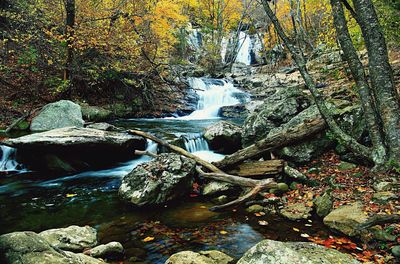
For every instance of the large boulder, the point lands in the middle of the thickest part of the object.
(346, 218)
(202, 257)
(72, 238)
(224, 137)
(277, 109)
(30, 248)
(163, 179)
(74, 149)
(276, 252)
(60, 114)
(234, 111)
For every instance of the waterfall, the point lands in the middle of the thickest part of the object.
(8, 159)
(213, 94)
(245, 47)
(197, 145)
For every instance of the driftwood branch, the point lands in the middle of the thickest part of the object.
(274, 141)
(177, 149)
(379, 220)
(256, 185)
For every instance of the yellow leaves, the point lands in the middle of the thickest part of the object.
(296, 229)
(148, 239)
(223, 232)
(70, 195)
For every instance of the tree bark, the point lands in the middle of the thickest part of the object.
(349, 142)
(258, 168)
(69, 34)
(357, 69)
(381, 75)
(273, 141)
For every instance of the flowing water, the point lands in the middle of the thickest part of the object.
(38, 201)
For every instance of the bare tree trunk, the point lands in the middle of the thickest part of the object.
(381, 75)
(349, 142)
(357, 69)
(69, 34)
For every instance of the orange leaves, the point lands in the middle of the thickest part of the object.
(334, 242)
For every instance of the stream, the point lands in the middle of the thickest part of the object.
(35, 201)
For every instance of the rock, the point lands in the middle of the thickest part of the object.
(72, 238)
(74, 149)
(323, 204)
(283, 187)
(224, 137)
(30, 248)
(346, 218)
(95, 113)
(221, 199)
(103, 126)
(255, 208)
(60, 114)
(165, 178)
(343, 165)
(110, 249)
(383, 186)
(276, 252)
(216, 187)
(277, 109)
(202, 257)
(234, 111)
(296, 211)
(384, 197)
(396, 251)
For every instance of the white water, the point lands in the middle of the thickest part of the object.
(245, 47)
(197, 145)
(7, 159)
(213, 94)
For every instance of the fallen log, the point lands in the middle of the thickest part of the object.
(258, 168)
(274, 141)
(177, 149)
(256, 185)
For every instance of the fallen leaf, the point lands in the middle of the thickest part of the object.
(305, 235)
(295, 229)
(262, 222)
(148, 239)
(223, 232)
(69, 195)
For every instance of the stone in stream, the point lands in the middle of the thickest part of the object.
(109, 249)
(224, 137)
(296, 211)
(95, 113)
(216, 187)
(323, 204)
(60, 114)
(202, 257)
(167, 177)
(276, 252)
(72, 149)
(72, 238)
(31, 248)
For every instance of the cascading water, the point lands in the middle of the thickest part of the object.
(245, 48)
(213, 94)
(8, 161)
(197, 145)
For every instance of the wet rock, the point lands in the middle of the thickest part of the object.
(384, 197)
(202, 257)
(383, 186)
(74, 149)
(276, 252)
(346, 218)
(396, 251)
(224, 137)
(296, 211)
(323, 204)
(103, 126)
(277, 109)
(107, 250)
(234, 111)
(283, 187)
(95, 113)
(255, 208)
(72, 238)
(221, 199)
(60, 114)
(163, 179)
(216, 187)
(30, 248)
